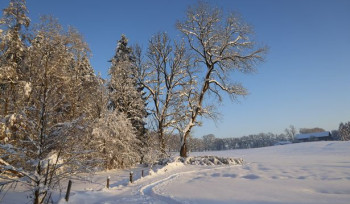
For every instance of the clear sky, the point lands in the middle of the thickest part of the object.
(305, 80)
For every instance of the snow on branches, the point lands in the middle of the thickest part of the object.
(220, 44)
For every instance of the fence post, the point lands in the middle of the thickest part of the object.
(68, 190)
(108, 181)
(142, 173)
(131, 176)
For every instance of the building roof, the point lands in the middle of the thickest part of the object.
(314, 134)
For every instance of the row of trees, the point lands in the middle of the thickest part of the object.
(57, 118)
(210, 142)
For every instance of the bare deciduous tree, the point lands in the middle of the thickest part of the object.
(165, 76)
(291, 132)
(221, 45)
(344, 131)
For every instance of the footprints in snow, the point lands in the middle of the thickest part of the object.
(226, 175)
(251, 176)
(255, 171)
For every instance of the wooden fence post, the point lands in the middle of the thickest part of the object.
(142, 175)
(68, 190)
(131, 176)
(108, 181)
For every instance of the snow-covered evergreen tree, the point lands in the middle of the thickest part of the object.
(126, 96)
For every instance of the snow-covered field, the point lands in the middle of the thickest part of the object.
(315, 172)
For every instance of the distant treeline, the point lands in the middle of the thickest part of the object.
(211, 143)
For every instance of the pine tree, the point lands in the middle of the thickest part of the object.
(126, 95)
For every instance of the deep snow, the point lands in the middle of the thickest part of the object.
(315, 172)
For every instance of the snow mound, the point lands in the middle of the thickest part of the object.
(203, 160)
(171, 164)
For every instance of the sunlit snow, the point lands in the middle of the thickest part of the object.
(315, 172)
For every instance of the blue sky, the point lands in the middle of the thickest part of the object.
(305, 80)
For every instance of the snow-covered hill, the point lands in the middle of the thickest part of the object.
(316, 172)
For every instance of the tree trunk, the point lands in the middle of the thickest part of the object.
(6, 105)
(36, 197)
(183, 150)
(37, 191)
(161, 140)
(104, 152)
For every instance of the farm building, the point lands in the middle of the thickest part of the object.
(316, 136)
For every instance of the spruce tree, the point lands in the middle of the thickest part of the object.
(125, 94)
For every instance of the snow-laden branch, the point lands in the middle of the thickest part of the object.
(234, 89)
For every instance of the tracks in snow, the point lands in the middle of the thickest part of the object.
(147, 190)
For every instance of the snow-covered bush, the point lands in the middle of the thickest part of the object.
(152, 150)
(203, 160)
(115, 141)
